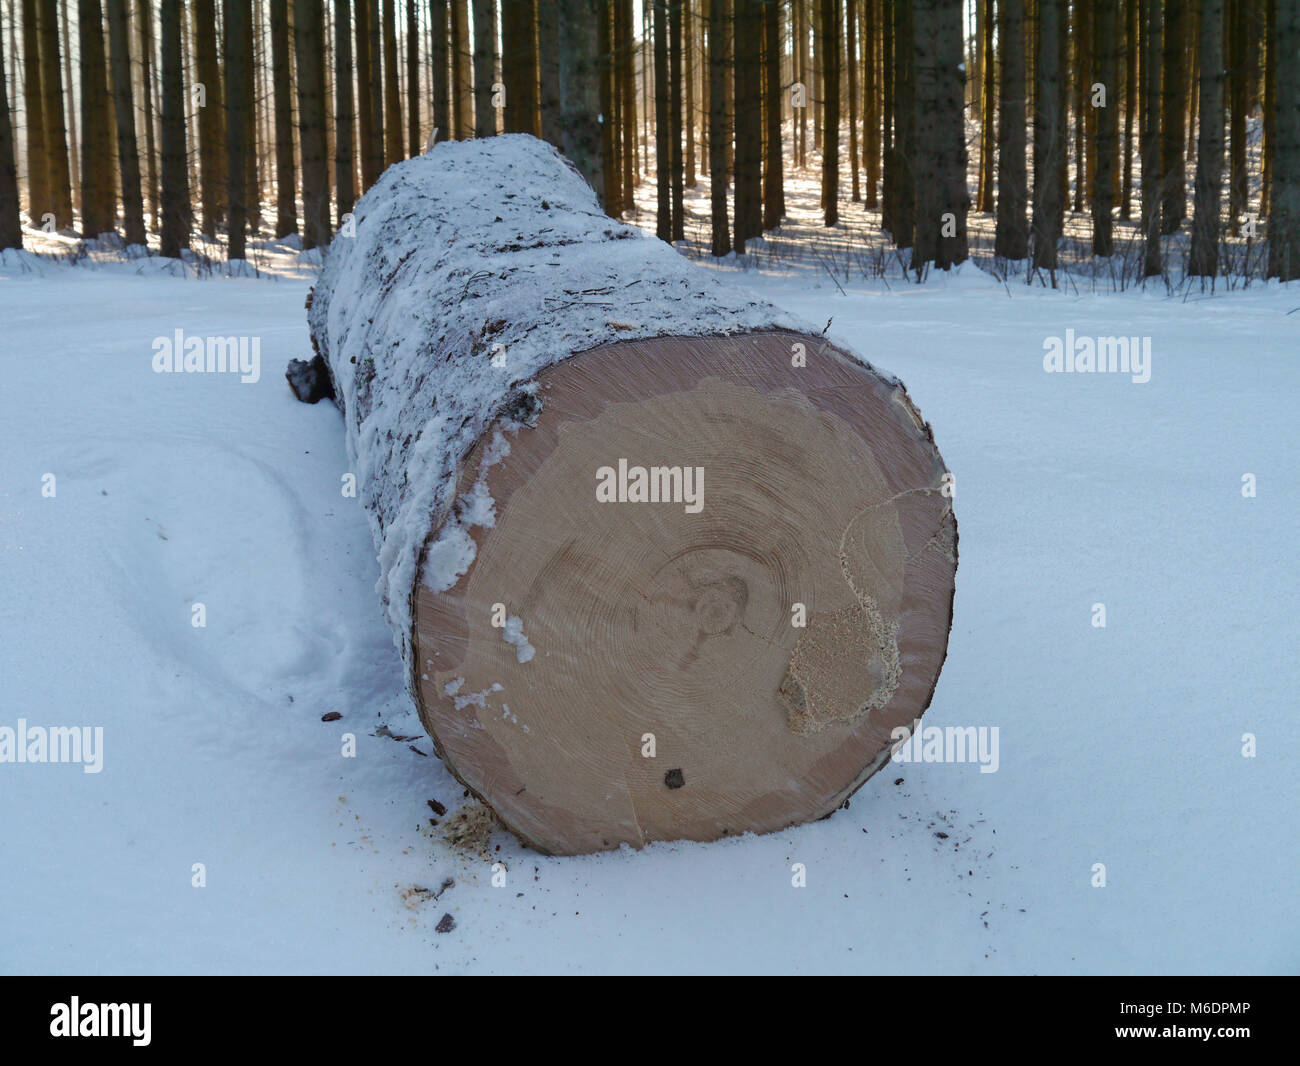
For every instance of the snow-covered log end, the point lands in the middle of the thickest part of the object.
(662, 561)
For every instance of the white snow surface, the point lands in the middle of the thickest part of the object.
(481, 249)
(1119, 746)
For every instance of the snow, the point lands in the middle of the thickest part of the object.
(1119, 745)
(513, 633)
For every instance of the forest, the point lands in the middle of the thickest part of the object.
(1124, 139)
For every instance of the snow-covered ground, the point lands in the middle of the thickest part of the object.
(1119, 745)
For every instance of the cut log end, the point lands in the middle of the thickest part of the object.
(731, 654)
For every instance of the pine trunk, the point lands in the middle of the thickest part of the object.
(413, 144)
(1173, 146)
(718, 132)
(1284, 195)
(1130, 103)
(212, 148)
(286, 182)
(942, 200)
(39, 200)
(11, 227)
(1107, 128)
(128, 152)
(602, 674)
(675, 119)
(439, 60)
(747, 96)
(1011, 238)
(829, 50)
(485, 58)
(1204, 259)
(550, 105)
(394, 149)
(1152, 40)
(58, 179)
(519, 64)
(175, 234)
(579, 82)
(308, 43)
(988, 105)
(345, 167)
(773, 171)
(238, 100)
(1049, 144)
(97, 207)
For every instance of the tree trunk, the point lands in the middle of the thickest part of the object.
(902, 214)
(988, 106)
(55, 133)
(1107, 127)
(345, 168)
(439, 58)
(675, 118)
(238, 100)
(97, 207)
(718, 132)
(747, 96)
(11, 226)
(829, 51)
(612, 194)
(802, 76)
(1130, 103)
(1284, 195)
(1209, 143)
(128, 152)
(600, 674)
(1152, 39)
(175, 234)
(308, 44)
(1269, 72)
(145, 37)
(212, 148)
(39, 199)
(1011, 238)
(851, 64)
(485, 58)
(871, 38)
(1049, 145)
(689, 78)
(579, 81)
(414, 146)
(663, 171)
(1238, 97)
(1173, 161)
(393, 147)
(626, 74)
(889, 165)
(252, 151)
(286, 192)
(942, 200)
(548, 74)
(773, 171)
(519, 64)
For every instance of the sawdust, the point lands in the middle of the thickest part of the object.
(469, 830)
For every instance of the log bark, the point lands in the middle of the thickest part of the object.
(495, 342)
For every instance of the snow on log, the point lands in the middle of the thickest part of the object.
(662, 562)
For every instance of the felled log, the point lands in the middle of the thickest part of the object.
(662, 562)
